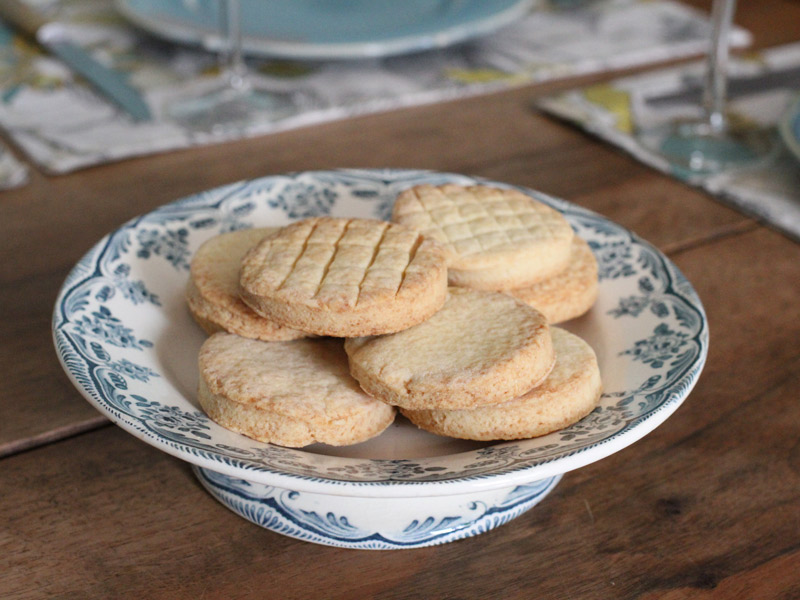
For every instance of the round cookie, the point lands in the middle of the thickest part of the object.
(569, 294)
(287, 393)
(345, 277)
(212, 293)
(497, 239)
(569, 393)
(481, 348)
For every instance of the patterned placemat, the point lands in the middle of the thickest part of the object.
(62, 125)
(762, 88)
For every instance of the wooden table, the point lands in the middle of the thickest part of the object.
(706, 506)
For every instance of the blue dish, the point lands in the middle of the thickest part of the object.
(328, 29)
(128, 343)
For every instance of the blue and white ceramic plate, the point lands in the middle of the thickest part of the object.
(127, 341)
(789, 127)
(328, 29)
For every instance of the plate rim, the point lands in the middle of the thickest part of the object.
(512, 476)
(275, 48)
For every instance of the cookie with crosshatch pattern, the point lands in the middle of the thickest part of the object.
(345, 277)
(569, 393)
(497, 238)
(212, 293)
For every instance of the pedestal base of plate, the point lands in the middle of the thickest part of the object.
(373, 523)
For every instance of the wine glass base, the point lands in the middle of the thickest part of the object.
(230, 109)
(697, 148)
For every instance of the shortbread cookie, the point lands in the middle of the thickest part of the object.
(481, 348)
(569, 393)
(287, 393)
(569, 294)
(213, 289)
(497, 239)
(345, 277)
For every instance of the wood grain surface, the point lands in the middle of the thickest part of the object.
(707, 506)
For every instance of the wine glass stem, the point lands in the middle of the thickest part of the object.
(235, 69)
(716, 84)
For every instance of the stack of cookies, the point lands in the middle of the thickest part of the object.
(445, 312)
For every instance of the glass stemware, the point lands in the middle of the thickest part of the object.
(236, 101)
(716, 141)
